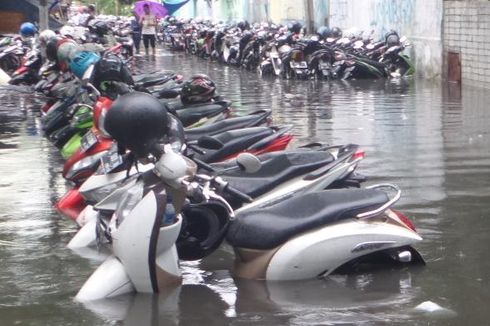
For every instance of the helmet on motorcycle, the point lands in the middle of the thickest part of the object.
(172, 20)
(295, 27)
(52, 49)
(199, 89)
(111, 68)
(246, 37)
(392, 38)
(67, 31)
(98, 27)
(323, 32)
(45, 36)
(27, 29)
(243, 25)
(81, 61)
(204, 227)
(137, 121)
(336, 32)
(66, 50)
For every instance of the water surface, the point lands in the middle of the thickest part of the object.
(430, 140)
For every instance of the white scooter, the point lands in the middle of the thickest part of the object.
(278, 176)
(304, 237)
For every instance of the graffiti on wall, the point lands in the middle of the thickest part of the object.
(392, 14)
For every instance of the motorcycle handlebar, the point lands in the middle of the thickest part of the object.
(238, 194)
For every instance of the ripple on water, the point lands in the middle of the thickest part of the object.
(435, 148)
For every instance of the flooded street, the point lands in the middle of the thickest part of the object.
(430, 141)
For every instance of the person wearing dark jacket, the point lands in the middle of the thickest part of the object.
(136, 32)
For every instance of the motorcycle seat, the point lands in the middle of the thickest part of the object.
(269, 227)
(234, 141)
(150, 80)
(276, 170)
(228, 124)
(192, 114)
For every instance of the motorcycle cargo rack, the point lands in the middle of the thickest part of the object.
(385, 206)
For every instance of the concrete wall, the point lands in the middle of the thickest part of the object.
(419, 20)
(467, 32)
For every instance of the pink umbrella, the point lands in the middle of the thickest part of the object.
(156, 8)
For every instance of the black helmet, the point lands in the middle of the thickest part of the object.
(111, 68)
(98, 27)
(203, 229)
(52, 49)
(199, 89)
(243, 25)
(323, 32)
(336, 32)
(295, 27)
(137, 121)
(392, 38)
(246, 37)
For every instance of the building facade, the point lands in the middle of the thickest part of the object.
(450, 38)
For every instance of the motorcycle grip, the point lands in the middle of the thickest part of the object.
(203, 165)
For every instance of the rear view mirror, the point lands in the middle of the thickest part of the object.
(248, 162)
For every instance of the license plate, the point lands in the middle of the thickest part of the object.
(299, 65)
(111, 160)
(88, 140)
(324, 66)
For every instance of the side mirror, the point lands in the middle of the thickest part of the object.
(248, 162)
(209, 143)
(171, 167)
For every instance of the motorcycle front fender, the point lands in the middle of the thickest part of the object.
(109, 280)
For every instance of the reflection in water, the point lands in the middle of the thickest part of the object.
(339, 300)
(430, 140)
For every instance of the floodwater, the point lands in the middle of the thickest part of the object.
(430, 140)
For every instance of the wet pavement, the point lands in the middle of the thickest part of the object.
(430, 140)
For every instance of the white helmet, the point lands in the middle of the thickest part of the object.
(67, 31)
(46, 35)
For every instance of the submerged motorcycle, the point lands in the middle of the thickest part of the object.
(306, 236)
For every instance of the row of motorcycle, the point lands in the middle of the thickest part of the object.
(21, 58)
(159, 177)
(287, 52)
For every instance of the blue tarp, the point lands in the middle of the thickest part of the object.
(173, 5)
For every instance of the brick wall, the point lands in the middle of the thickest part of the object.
(466, 32)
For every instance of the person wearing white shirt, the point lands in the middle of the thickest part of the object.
(148, 23)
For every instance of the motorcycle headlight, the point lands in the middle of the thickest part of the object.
(86, 163)
(96, 195)
(128, 201)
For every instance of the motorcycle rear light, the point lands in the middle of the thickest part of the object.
(405, 220)
(360, 154)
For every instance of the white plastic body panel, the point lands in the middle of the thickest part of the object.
(325, 249)
(109, 280)
(85, 237)
(132, 241)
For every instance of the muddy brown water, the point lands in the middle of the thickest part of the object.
(431, 140)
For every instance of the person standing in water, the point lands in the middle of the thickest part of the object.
(136, 32)
(148, 23)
